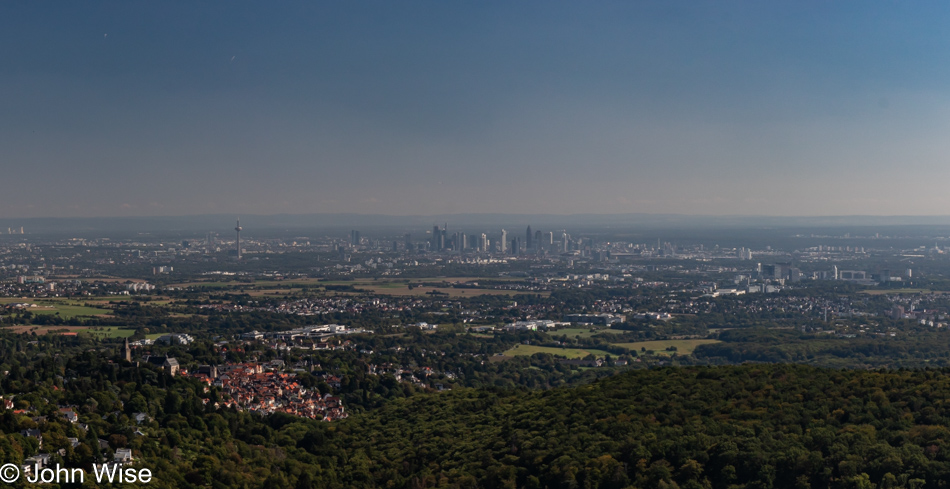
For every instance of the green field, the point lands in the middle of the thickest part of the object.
(65, 308)
(528, 350)
(683, 347)
(106, 299)
(461, 279)
(68, 311)
(13, 300)
(895, 291)
(103, 332)
(583, 332)
(389, 285)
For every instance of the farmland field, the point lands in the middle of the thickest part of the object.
(65, 308)
(583, 332)
(528, 350)
(103, 332)
(41, 330)
(683, 347)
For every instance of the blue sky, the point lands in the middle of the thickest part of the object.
(763, 108)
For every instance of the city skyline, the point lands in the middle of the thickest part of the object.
(423, 108)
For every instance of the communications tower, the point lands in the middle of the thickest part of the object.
(238, 228)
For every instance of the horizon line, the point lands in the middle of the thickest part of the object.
(579, 214)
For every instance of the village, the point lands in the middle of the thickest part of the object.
(248, 386)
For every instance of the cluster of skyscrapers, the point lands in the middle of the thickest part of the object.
(532, 242)
(441, 240)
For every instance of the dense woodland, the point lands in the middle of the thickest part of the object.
(750, 426)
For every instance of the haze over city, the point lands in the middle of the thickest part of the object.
(424, 108)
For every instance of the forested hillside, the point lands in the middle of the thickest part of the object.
(749, 426)
(780, 426)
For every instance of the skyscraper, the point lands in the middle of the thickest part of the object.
(238, 229)
(436, 238)
(529, 239)
(504, 241)
(355, 238)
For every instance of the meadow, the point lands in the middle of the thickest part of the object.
(683, 347)
(528, 350)
(64, 307)
(584, 332)
(107, 332)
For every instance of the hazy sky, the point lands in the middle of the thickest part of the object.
(402, 107)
